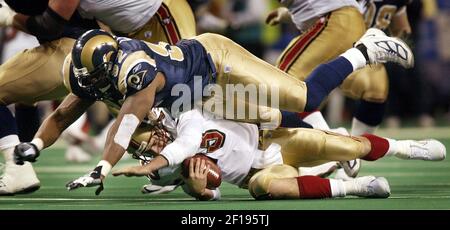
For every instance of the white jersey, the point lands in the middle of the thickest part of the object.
(233, 144)
(123, 16)
(305, 12)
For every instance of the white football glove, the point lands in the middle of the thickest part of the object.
(278, 15)
(6, 15)
(89, 180)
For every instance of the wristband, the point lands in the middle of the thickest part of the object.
(106, 167)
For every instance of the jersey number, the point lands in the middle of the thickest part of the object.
(212, 140)
(166, 50)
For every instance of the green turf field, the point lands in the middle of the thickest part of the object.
(414, 185)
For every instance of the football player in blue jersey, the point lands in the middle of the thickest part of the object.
(132, 76)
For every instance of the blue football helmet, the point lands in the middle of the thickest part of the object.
(93, 57)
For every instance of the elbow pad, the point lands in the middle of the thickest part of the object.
(48, 26)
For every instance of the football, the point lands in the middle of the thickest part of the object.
(214, 178)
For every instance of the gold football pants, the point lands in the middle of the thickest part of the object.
(35, 74)
(310, 147)
(259, 183)
(235, 65)
(329, 37)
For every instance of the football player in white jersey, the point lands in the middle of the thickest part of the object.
(267, 164)
(268, 169)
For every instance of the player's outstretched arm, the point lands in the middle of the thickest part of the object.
(132, 112)
(71, 108)
(142, 170)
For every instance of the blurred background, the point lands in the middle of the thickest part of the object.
(417, 97)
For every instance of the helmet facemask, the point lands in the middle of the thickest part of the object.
(157, 140)
(96, 81)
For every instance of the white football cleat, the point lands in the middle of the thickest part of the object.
(381, 49)
(372, 187)
(428, 150)
(352, 167)
(18, 179)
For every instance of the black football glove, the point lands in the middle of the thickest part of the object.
(88, 180)
(25, 152)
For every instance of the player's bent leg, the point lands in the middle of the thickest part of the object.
(260, 185)
(371, 86)
(34, 75)
(293, 94)
(173, 21)
(237, 66)
(290, 92)
(328, 38)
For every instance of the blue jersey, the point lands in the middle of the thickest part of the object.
(379, 13)
(137, 64)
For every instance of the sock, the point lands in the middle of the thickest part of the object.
(368, 115)
(359, 128)
(355, 57)
(292, 120)
(380, 147)
(337, 188)
(317, 120)
(28, 121)
(351, 188)
(393, 147)
(324, 79)
(311, 187)
(8, 133)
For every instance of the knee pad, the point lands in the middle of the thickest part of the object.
(259, 184)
